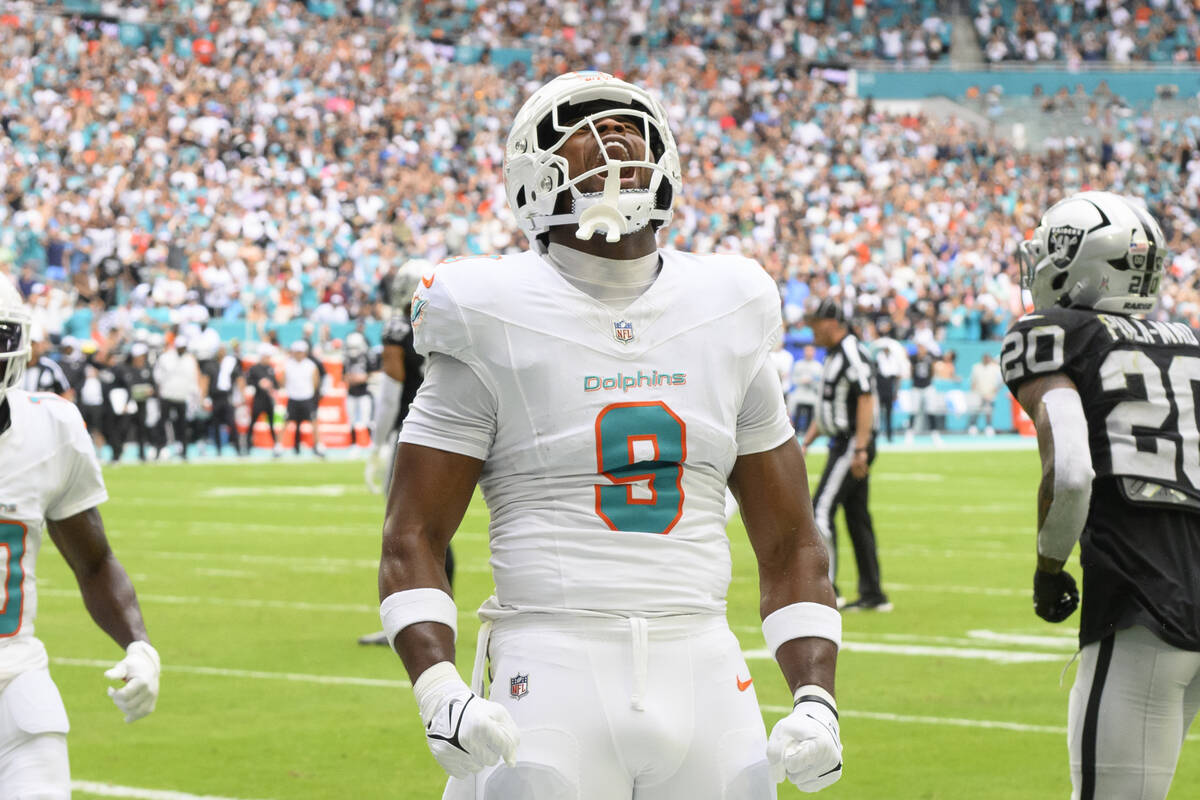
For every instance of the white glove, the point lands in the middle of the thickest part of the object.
(139, 669)
(805, 746)
(465, 732)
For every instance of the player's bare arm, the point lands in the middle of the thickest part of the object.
(428, 497)
(798, 606)
(107, 591)
(793, 566)
(1064, 492)
(112, 602)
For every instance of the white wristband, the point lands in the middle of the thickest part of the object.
(401, 609)
(799, 621)
(811, 690)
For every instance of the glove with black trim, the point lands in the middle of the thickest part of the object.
(1055, 595)
(464, 731)
(805, 747)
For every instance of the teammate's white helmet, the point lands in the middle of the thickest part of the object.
(1095, 250)
(535, 175)
(356, 344)
(14, 336)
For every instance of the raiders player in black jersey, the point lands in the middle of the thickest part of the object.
(1113, 397)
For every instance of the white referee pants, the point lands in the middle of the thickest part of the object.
(33, 740)
(624, 709)
(1133, 700)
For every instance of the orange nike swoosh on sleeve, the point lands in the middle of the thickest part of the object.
(743, 685)
(428, 282)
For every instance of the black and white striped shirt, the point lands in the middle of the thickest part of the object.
(845, 376)
(45, 375)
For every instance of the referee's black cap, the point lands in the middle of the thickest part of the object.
(829, 308)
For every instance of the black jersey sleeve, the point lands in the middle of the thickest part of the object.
(1045, 342)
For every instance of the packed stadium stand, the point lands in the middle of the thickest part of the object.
(262, 167)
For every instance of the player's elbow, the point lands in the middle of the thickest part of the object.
(1075, 484)
(1073, 473)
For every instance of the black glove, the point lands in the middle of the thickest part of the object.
(1055, 596)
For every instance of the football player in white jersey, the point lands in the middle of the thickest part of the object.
(49, 476)
(603, 393)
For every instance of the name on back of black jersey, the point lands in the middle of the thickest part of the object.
(1127, 329)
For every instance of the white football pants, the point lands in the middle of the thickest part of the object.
(1133, 700)
(33, 740)
(624, 709)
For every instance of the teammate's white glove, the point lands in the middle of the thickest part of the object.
(139, 669)
(805, 746)
(465, 732)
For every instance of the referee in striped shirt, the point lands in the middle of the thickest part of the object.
(846, 414)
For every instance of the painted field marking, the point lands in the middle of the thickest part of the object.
(221, 672)
(235, 602)
(1019, 727)
(295, 563)
(921, 477)
(370, 530)
(338, 680)
(1026, 640)
(327, 490)
(134, 793)
(225, 573)
(969, 653)
(979, 590)
(250, 602)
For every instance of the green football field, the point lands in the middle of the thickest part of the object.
(256, 579)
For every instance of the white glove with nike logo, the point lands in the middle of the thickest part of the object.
(139, 669)
(465, 732)
(805, 746)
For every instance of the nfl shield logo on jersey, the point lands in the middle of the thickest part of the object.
(518, 687)
(623, 331)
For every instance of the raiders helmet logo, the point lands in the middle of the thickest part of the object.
(1064, 244)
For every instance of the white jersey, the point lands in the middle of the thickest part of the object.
(48, 470)
(614, 432)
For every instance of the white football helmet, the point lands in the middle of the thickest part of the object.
(356, 344)
(1095, 250)
(535, 174)
(15, 345)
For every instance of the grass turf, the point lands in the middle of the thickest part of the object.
(254, 578)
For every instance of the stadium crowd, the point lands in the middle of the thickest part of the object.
(266, 164)
(1075, 31)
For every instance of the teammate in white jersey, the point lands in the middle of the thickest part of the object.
(49, 476)
(603, 393)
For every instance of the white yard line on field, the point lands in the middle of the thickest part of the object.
(980, 590)
(969, 653)
(248, 602)
(327, 490)
(339, 680)
(951, 721)
(134, 793)
(236, 602)
(1025, 639)
(956, 722)
(221, 672)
